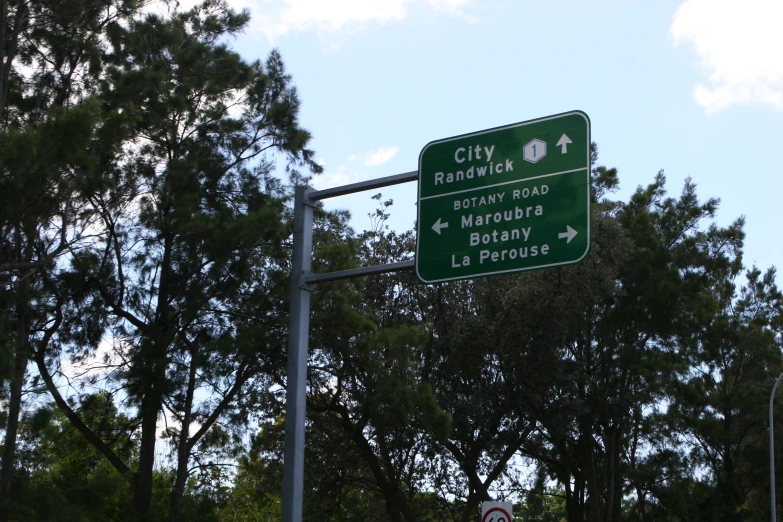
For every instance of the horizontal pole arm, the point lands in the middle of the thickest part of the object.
(358, 272)
(370, 184)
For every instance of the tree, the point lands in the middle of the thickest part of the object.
(632, 343)
(190, 218)
(65, 478)
(49, 139)
(719, 404)
(365, 401)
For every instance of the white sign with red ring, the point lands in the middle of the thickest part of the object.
(496, 511)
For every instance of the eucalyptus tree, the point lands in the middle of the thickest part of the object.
(191, 227)
(501, 372)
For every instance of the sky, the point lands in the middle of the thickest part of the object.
(692, 87)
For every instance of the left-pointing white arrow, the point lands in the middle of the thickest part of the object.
(438, 226)
(563, 143)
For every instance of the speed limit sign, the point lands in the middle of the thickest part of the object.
(496, 511)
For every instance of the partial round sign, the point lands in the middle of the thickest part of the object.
(496, 514)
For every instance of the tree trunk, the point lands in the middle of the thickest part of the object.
(142, 480)
(394, 514)
(590, 475)
(470, 505)
(479, 494)
(617, 511)
(610, 474)
(570, 500)
(153, 363)
(396, 504)
(640, 496)
(12, 426)
(151, 406)
(183, 448)
(575, 499)
(8, 47)
(579, 505)
(641, 502)
(21, 321)
(614, 483)
(403, 507)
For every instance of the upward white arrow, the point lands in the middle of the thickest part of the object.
(438, 226)
(563, 143)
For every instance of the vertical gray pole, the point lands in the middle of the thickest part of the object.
(772, 452)
(293, 466)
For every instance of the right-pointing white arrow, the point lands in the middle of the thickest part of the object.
(563, 143)
(569, 233)
(438, 226)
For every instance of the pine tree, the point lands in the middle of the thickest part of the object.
(189, 218)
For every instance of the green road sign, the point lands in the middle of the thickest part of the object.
(505, 200)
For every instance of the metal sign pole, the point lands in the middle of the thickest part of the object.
(296, 388)
(772, 451)
(301, 281)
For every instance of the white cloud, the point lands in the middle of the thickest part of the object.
(347, 173)
(328, 16)
(375, 158)
(279, 17)
(276, 18)
(740, 47)
(448, 5)
(341, 176)
(379, 157)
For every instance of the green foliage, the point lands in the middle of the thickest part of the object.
(143, 218)
(585, 400)
(63, 478)
(542, 504)
(165, 159)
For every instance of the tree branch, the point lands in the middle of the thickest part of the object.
(77, 422)
(242, 378)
